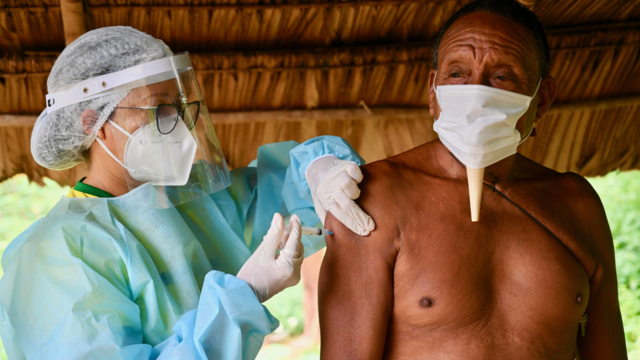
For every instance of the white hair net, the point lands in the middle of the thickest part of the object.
(59, 140)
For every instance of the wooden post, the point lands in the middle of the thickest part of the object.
(73, 20)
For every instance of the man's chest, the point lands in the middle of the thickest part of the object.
(504, 274)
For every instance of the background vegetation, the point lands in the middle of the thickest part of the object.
(22, 203)
(620, 194)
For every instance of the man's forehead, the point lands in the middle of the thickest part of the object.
(491, 34)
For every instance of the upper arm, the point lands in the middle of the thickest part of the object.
(355, 292)
(604, 331)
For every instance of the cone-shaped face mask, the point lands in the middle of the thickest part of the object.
(159, 159)
(477, 123)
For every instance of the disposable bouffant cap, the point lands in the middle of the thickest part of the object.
(59, 140)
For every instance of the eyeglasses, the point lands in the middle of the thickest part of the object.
(167, 115)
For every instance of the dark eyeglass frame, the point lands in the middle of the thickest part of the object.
(180, 109)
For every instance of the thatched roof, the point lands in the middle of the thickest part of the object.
(283, 70)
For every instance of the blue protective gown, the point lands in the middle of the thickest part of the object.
(109, 278)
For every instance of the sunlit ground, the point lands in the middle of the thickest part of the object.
(22, 203)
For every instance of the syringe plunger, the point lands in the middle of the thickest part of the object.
(311, 231)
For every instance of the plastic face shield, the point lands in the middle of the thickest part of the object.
(162, 134)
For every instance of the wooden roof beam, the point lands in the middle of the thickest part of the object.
(296, 5)
(609, 26)
(8, 120)
(73, 19)
(597, 104)
(393, 113)
(379, 113)
(386, 113)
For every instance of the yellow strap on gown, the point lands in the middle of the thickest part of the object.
(73, 193)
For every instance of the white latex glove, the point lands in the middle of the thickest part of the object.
(334, 186)
(268, 274)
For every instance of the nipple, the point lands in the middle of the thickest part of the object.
(579, 299)
(426, 302)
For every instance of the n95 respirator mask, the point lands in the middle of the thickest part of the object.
(159, 159)
(477, 123)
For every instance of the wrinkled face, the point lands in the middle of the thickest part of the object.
(487, 49)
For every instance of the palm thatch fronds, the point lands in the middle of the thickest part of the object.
(290, 70)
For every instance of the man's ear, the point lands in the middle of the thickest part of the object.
(88, 118)
(432, 94)
(546, 94)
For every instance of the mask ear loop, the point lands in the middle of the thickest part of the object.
(109, 151)
(122, 130)
(434, 81)
(530, 131)
(435, 90)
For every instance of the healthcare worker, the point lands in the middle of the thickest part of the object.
(138, 261)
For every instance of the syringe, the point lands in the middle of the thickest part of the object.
(311, 231)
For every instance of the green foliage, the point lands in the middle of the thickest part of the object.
(287, 307)
(284, 352)
(620, 195)
(22, 203)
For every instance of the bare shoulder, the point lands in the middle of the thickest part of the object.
(581, 199)
(580, 189)
(586, 204)
(570, 197)
(393, 174)
(574, 191)
(378, 199)
(389, 187)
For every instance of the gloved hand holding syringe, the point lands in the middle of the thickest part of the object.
(268, 273)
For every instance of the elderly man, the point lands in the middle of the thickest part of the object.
(535, 278)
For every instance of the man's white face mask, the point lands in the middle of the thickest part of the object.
(478, 123)
(156, 158)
